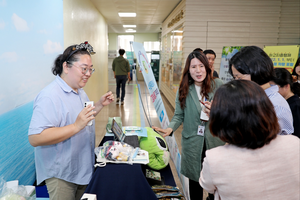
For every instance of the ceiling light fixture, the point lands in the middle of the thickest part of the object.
(129, 26)
(130, 31)
(121, 14)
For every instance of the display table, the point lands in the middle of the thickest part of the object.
(124, 181)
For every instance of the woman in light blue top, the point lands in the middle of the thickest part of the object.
(63, 142)
(252, 63)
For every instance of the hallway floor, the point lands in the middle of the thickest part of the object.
(132, 115)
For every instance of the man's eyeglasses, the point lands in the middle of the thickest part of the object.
(84, 70)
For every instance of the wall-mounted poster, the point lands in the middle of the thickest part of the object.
(283, 56)
(227, 53)
(112, 54)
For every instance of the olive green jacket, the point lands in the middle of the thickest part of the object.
(192, 144)
(120, 66)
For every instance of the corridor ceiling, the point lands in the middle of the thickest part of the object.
(149, 14)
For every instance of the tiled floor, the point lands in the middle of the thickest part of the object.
(130, 114)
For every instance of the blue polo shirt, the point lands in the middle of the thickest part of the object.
(282, 109)
(72, 160)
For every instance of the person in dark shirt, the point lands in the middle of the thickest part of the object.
(296, 73)
(198, 49)
(211, 56)
(121, 70)
(285, 82)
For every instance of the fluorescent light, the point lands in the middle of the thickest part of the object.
(129, 26)
(176, 31)
(127, 14)
(130, 31)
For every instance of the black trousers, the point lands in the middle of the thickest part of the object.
(121, 80)
(196, 191)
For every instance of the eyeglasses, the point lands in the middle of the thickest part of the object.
(84, 70)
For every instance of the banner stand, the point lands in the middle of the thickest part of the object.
(156, 99)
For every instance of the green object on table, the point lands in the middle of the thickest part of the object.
(157, 148)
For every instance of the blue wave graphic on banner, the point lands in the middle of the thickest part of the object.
(17, 155)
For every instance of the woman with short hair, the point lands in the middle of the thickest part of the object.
(255, 163)
(252, 63)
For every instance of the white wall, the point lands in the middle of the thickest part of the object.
(216, 23)
(289, 26)
(83, 22)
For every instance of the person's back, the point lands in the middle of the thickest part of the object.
(252, 63)
(270, 172)
(283, 111)
(120, 66)
(256, 162)
(121, 70)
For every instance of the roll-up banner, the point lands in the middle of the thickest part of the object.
(156, 99)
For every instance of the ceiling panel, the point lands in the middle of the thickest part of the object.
(150, 14)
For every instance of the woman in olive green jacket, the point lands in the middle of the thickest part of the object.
(196, 84)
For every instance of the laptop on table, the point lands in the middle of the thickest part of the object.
(132, 140)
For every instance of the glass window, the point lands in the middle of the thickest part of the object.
(171, 58)
(177, 55)
(151, 46)
(149, 57)
(124, 42)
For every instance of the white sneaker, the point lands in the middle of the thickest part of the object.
(118, 100)
(122, 102)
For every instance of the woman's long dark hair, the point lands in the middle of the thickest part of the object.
(294, 70)
(187, 80)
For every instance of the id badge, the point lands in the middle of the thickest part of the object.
(201, 130)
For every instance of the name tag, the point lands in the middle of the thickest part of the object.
(201, 130)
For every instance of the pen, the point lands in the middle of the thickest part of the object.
(204, 104)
